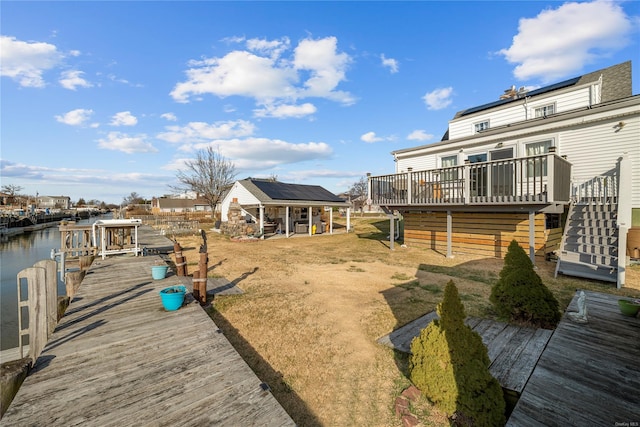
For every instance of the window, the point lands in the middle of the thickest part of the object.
(479, 127)
(537, 167)
(545, 111)
(448, 162)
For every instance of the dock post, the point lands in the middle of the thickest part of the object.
(51, 290)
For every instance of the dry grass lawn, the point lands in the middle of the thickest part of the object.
(314, 307)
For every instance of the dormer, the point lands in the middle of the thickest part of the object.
(520, 105)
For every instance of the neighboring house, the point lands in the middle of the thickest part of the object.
(280, 207)
(53, 202)
(513, 168)
(179, 205)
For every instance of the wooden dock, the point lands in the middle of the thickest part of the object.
(118, 358)
(589, 374)
(513, 350)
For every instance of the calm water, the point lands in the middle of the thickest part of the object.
(17, 253)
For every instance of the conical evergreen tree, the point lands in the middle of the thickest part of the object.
(450, 365)
(520, 296)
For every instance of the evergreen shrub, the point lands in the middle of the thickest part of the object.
(520, 296)
(450, 365)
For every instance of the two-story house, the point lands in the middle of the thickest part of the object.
(524, 166)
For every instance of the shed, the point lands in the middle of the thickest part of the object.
(277, 207)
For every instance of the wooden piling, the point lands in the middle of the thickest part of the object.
(181, 262)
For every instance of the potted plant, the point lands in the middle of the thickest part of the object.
(173, 297)
(159, 271)
(629, 308)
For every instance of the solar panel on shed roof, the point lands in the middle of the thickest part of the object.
(282, 191)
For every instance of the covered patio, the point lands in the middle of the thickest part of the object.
(276, 208)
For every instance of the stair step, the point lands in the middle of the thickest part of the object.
(592, 231)
(589, 249)
(596, 207)
(592, 240)
(593, 215)
(597, 223)
(588, 272)
(589, 259)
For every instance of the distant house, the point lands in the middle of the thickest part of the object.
(515, 168)
(179, 205)
(53, 202)
(281, 207)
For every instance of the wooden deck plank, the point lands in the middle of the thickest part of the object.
(589, 374)
(118, 356)
(513, 350)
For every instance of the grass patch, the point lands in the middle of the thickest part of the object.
(488, 277)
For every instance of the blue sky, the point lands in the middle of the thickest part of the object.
(101, 99)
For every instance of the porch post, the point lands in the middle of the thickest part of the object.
(409, 190)
(286, 220)
(309, 214)
(348, 219)
(532, 236)
(331, 221)
(449, 231)
(392, 231)
(467, 182)
(550, 174)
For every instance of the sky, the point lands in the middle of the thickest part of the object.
(102, 99)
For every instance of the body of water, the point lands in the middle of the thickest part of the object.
(16, 254)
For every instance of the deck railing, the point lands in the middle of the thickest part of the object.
(542, 179)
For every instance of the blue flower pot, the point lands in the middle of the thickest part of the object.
(159, 272)
(173, 297)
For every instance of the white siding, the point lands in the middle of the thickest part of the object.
(520, 110)
(237, 192)
(593, 150)
(418, 163)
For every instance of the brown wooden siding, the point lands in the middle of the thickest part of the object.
(484, 234)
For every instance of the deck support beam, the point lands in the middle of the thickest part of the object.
(449, 232)
(532, 236)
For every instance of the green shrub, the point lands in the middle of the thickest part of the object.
(450, 365)
(520, 296)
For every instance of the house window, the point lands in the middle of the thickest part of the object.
(545, 111)
(537, 167)
(479, 127)
(448, 162)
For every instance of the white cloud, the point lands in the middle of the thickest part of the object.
(272, 48)
(123, 118)
(419, 135)
(561, 41)
(169, 116)
(264, 74)
(26, 62)
(73, 79)
(370, 137)
(326, 66)
(391, 63)
(264, 153)
(119, 141)
(199, 132)
(284, 111)
(76, 117)
(439, 98)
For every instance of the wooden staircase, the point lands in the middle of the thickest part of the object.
(589, 245)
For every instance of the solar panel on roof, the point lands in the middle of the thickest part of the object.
(282, 191)
(542, 90)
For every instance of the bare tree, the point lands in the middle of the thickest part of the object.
(11, 189)
(209, 175)
(358, 193)
(133, 199)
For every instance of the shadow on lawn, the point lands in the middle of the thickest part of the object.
(290, 401)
